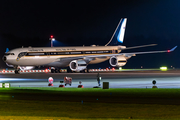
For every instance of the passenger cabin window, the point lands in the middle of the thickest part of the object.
(76, 52)
(35, 54)
(96, 52)
(59, 53)
(63, 53)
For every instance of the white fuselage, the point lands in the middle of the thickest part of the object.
(57, 56)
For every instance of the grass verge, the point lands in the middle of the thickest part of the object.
(75, 103)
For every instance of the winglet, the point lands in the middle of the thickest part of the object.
(172, 49)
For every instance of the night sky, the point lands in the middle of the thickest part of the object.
(86, 22)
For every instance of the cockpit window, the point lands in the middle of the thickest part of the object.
(9, 53)
(22, 54)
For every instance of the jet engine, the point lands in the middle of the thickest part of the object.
(26, 67)
(117, 61)
(77, 65)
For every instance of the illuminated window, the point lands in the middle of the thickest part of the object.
(9, 53)
(35, 54)
(22, 54)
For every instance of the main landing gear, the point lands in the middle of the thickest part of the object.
(55, 70)
(82, 71)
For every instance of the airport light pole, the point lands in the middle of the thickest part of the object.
(52, 39)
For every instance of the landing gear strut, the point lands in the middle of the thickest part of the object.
(17, 71)
(55, 70)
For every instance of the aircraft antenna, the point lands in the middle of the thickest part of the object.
(114, 33)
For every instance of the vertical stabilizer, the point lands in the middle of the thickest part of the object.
(119, 32)
(120, 36)
(7, 49)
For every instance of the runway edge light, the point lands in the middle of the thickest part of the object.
(5, 85)
(163, 68)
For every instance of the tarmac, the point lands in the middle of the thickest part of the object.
(139, 79)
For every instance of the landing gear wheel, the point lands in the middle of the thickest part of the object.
(69, 71)
(57, 70)
(52, 71)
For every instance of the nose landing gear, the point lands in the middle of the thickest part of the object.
(17, 70)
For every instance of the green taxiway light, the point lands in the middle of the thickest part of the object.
(120, 68)
(163, 68)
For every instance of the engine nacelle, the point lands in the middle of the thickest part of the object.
(117, 61)
(77, 65)
(26, 67)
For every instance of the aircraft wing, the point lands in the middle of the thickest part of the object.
(132, 54)
(92, 57)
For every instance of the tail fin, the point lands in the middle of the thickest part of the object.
(120, 36)
(120, 31)
(7, 49)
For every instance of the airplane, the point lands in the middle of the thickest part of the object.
(75, 58)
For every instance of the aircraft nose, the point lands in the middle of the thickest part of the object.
(4, 58)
